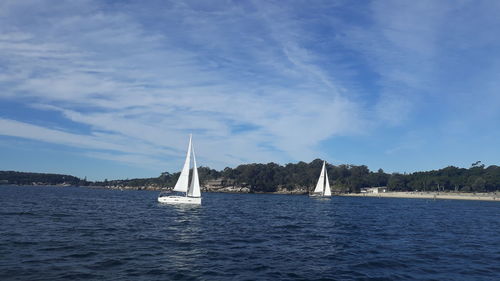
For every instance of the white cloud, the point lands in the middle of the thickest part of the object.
(24, 130)
(106, 70)
(252, 81)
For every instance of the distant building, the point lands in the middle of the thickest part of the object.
(379, 189)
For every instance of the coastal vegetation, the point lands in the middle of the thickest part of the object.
(301, 176)
(22, 178)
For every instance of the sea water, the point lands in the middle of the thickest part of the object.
(53, 233)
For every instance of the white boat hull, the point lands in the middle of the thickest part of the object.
(179, 200)
(319, 196)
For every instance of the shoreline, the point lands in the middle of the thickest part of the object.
(401, 194)
(430, 195)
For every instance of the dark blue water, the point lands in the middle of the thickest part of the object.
(51, 233)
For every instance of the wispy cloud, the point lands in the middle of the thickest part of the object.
(254, 81)
(119, 77)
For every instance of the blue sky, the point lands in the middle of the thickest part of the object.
(112, 89)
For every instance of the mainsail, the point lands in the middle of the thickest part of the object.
(194, 188)
(327, 191)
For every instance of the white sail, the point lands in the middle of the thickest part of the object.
(194, 188)
(183, 181)
(327, 192)
(321, 181)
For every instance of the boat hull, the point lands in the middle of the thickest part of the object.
(319, 196)
(179, 200)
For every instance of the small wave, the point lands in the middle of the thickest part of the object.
(109, 263)
(82, 255)
(260, 267)
(392, 264)
(61, 215)
(80, 275)
(290, 226)
(17, 214)
(284, 217)
(58, 248)
(24, 243)
(156, 272)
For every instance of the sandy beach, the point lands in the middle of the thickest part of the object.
(432, 195)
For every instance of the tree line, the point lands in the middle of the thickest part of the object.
(477, 178)
(351, 178)
(271, 177)
(23, 178)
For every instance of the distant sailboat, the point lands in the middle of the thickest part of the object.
(193, 194)
(323, 186)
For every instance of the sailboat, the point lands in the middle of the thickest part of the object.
(323, 186)
(192, 190)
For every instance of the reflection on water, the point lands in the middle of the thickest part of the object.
(183, 225)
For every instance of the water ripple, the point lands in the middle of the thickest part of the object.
(96, 234)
